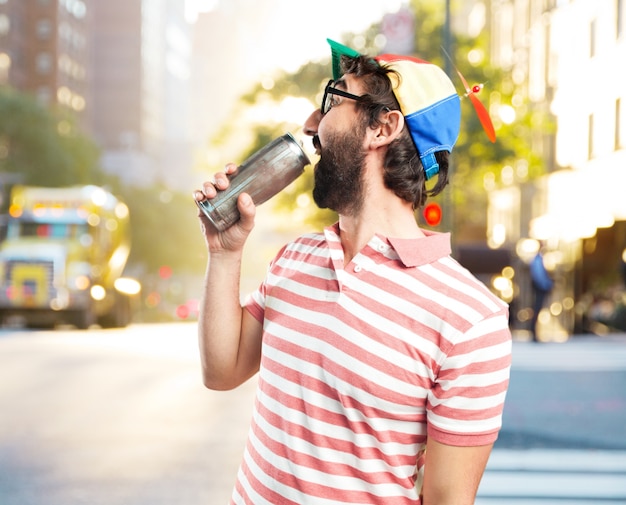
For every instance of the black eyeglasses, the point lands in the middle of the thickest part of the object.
(328, 101)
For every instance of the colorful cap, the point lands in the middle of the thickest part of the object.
(428, 100)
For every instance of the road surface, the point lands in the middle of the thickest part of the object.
(120, 417)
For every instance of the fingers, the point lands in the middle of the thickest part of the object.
(219, 183)
(234, 237)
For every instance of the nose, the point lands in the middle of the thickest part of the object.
(312, 123)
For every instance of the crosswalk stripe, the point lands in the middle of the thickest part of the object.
(557, 477)
(558, 460)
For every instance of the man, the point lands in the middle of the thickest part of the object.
(542, 285)
(383, 364)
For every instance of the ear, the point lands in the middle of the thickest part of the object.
(390, 127)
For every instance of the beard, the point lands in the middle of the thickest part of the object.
(339, 182)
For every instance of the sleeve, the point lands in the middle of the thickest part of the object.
(255, 301)
(255, 304)
(466, 402)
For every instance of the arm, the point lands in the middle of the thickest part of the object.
(229, 337)
(452, 474)
(468, 398)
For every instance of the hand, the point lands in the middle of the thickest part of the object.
(233, 238)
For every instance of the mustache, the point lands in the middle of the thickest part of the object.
(316, 143)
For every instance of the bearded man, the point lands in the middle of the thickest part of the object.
(382, 363)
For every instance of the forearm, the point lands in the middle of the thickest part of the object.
(220, 322)
(229, 339)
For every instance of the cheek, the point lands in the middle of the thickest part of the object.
(329, 128)
(323, 129)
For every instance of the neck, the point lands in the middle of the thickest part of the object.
(386, 215)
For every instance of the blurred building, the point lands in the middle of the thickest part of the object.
(218, 74)
(230, 45)
(141, 80)
(123, 66)
(566, 58)
(45, 50)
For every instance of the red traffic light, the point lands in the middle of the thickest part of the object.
(165, 272)
(432, 214)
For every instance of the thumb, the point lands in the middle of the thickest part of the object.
(247, 210)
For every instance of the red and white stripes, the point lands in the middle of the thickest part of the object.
(360, 364)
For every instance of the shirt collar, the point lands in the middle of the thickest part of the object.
(416, 252)
(412, 252)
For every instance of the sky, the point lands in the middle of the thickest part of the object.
(269, 35)
(301, 27)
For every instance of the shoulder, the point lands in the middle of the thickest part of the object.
(460, 284)
(309, 243)
(463, 307)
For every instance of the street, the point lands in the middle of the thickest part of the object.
(121, 417)
(563, 440)
(115, 417)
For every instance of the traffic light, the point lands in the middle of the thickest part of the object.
(432, 214)
(165, 272)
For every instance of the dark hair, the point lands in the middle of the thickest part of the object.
(404, 173)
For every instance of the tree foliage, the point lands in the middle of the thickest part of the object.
(165, 231)
(43, 147)
(477, 165)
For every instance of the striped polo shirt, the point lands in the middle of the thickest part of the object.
(361, 364)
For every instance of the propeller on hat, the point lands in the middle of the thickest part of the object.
(481, 111)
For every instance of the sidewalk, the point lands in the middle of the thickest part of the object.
(545, 477)
(578, 353)
(560, 338)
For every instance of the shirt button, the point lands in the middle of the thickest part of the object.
(382, 247)
(358, 268)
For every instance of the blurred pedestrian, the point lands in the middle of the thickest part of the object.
(383, 364)
(542, 285)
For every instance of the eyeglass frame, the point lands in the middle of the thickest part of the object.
(329, 90)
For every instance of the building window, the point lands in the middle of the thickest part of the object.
(43, 63)
(5, 24)
(5, 66)
(44, 29)
(77, 8)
